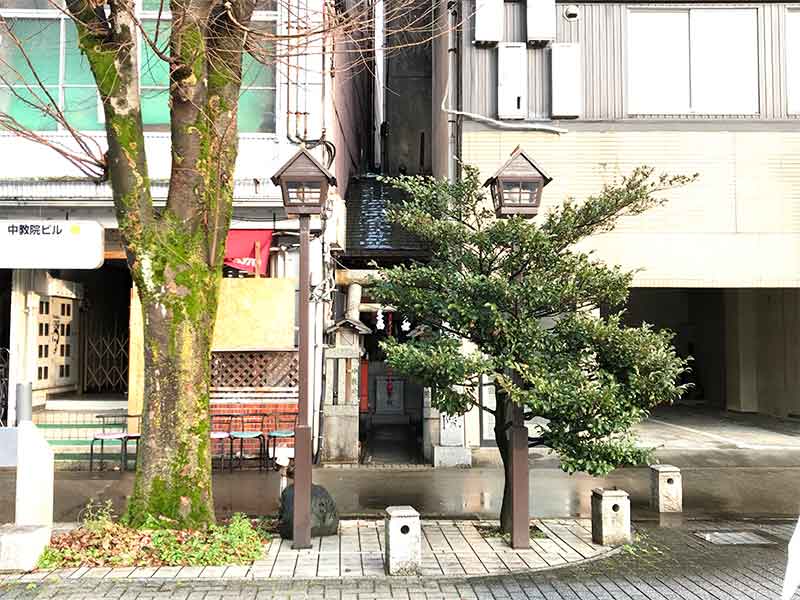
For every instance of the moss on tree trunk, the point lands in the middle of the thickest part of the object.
(179, 302)
(175, 255)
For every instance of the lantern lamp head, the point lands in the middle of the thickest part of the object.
(517, 186)
(304, 184)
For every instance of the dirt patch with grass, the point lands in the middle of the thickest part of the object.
(103, 541)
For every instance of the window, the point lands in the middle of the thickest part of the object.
(520, 192)
(684, 61)
(50, 40)
(793, 60)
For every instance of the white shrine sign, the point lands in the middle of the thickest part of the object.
(451, 430)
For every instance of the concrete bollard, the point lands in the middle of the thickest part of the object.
(611, 517)
(24, 402)
(25, 448)
(666, 489)
(402, 541)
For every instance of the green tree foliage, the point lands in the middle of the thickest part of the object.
(514, 299)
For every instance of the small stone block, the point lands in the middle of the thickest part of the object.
(402, 541)
(451, 456)
(611, 517)
(21, 547)
(666, 489)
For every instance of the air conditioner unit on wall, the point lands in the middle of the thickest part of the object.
(512, 81)
(488, 21)
(566, 81)
(541, 21)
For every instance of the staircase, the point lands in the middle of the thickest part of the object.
(70, 433)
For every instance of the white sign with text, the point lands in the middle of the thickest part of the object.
(39, 244)
(451, 432)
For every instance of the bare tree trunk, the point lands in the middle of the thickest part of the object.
(502, 416)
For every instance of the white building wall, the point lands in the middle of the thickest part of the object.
(738, 225)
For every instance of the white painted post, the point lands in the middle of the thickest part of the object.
(21, 544)
(666, 489)
(34, 477)
(611, 517)
(402, 541)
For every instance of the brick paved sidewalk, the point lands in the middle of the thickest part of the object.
(449, 548)
(697, 561)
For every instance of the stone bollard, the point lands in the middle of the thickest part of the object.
(666, 489)
(611, 517)
(402, 541)
(27, 450)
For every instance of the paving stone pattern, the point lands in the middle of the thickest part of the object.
(449, 548)
(663, 564)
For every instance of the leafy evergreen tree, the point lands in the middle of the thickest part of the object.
(515, 300)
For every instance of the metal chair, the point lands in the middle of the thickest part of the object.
(108, 421)
(284, 430)
(132, 437)
(252, 427)
(221, 431)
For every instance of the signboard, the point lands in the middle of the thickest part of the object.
(32, 244)
(451, 430)
(487, 399)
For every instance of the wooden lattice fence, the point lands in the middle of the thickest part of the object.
(254, 369)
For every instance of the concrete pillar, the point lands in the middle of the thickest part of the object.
(24, 403)
(340, 442)
(35, 473)
(611, 517)
(23, 335)
(741, 350)
(451, 451)
(666, 489)
(430, 426)
(402, 541)
(135, 361)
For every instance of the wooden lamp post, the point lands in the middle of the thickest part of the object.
(304, 186)
(517, 191)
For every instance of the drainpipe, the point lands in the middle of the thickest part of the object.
(452, 75)
(379, 107)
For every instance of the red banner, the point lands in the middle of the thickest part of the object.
(240, 251)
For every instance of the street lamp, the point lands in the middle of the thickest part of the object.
(304, 186)
(517, 186)
(517, 190)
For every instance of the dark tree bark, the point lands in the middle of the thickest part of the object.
(502, 417)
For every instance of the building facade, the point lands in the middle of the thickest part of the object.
(592, 90)
(589, 90)
(77, 335)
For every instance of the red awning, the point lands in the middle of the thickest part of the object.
(240, 251)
